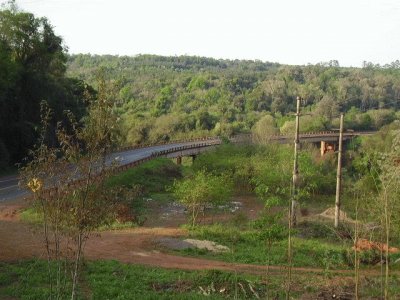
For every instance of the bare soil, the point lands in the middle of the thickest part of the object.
(19, 240)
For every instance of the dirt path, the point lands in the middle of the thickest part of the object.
(21, 241)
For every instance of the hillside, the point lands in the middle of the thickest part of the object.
(162, 98)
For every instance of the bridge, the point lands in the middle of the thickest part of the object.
(327, 140)
(133, 156)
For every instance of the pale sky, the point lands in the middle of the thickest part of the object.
(284, 31)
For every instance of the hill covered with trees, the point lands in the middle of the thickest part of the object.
(162, 98)
(32, 69)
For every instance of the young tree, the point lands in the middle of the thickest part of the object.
(202, 189)
(264, 129)
(388, 199)
(269, 224)
(68, 182)
(381, 180)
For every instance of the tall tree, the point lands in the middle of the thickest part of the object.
(32, 68)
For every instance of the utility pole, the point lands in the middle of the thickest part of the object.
(295, 178)
(293, 203)
(339, 174)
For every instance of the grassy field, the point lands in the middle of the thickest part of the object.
(247, 247)
(114, 280)
(153, 175)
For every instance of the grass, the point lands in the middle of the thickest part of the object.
(154, 176)
(31, 215)
(246, 247)
(24, 280)
(114, 280)
(321, 248)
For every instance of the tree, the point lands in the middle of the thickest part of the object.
(264, 129)
(379, 172)
(68, 183)
(387, 175)
(32, 68)
(327, 107)
(201, 190)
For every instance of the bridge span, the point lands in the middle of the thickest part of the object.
(132, 156)
(327, 140)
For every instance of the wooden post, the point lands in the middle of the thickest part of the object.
(323, 148)
(339, 174)
(179, 160)
(295, 177)
(293, 204)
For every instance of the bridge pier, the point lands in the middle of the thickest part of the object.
(327, 147)
(179, 160)
(194, 156)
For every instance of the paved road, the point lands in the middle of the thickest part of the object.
(9, 189)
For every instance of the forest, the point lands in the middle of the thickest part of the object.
(164, 98)
(32, 68)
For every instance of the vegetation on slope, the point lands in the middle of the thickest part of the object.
(163, 98)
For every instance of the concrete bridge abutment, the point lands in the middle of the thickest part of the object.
(328, 147)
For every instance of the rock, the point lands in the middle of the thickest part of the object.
(330, 214)
(177, 244)
(209, 245)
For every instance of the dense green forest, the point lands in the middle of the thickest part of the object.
(162, 98)
(32, 68)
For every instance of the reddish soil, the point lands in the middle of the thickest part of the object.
(22, 241)
(365, 245)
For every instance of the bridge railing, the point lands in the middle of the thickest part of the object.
(241, 136)
(147, 145)
(78, 183)
(206, 142)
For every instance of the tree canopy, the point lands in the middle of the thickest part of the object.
(208, 96)
(32, 69)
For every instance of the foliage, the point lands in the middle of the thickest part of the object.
(247, 247)
(264, 129)
(376, 168)
(68, 184)
(202, 189)
(153, 176)
(205, 96)
(32, 68)
(114, 280)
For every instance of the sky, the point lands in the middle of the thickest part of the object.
(284, 31)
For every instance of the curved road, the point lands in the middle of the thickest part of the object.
(9, 189)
